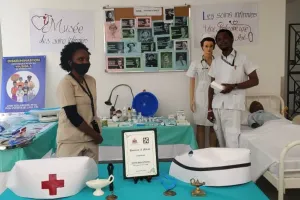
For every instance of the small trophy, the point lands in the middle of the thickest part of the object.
(197, 192)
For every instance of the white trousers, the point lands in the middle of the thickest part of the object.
(228, 127)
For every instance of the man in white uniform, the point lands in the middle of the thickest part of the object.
(236, 73)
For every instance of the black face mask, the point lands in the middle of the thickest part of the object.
(81, 69)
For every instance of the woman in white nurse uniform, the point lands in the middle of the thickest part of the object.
(199, 98)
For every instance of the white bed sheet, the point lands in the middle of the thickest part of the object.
(266, 144)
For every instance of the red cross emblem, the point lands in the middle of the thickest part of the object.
(52, 184)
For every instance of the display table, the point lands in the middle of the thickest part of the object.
(126, 189)
(41, 145)
(172, 141)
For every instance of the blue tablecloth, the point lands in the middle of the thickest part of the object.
(41, 144)
(127, 190)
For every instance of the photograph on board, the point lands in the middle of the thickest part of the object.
(112, 31)
(145, 35)
(166, 60)
(144, 22)
(181, 45)
(115, 63)
(132, 47)
(168, 14)
(164, 42)
(115, 47)
(179, 32)
(128, 33)
(110, 15)
(181, 21)
(151, 59)
(181, 59)
(128, 23)
(161, 28)
(133, 62)
(148, 47)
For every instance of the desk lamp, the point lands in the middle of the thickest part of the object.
(108, 102)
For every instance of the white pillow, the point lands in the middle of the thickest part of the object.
(244, 117)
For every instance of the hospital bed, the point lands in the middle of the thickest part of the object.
(271, 154)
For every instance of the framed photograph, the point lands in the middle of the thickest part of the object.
(128, 33)
(148, 47)
(112, 31)
(132, 47)
(145, 35)
(133, 63)
(161, 28)
(144, 22)
(151, 60)
(168, 14)
(115, 63)
(181, 21)
(115, 47)
(181, 45)
(128, 23)
(179, 32)
(110, 15)
(181, 60)
(140, 155)
(166, 60)
(164, 42)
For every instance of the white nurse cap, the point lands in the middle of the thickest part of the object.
(206, 35)
(51, 178)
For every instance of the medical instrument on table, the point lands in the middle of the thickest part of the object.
(108, 102)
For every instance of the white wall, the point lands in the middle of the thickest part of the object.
(172, 89)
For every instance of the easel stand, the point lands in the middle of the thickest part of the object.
(136, 179)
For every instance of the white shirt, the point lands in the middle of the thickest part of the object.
(224, 73)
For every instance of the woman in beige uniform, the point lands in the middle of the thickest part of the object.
(78, 132)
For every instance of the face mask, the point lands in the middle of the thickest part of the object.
(81, 69)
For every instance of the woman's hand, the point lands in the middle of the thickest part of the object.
(211, 116)
(227, 88)
(193, 106)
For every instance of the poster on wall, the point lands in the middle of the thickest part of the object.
(23, 83)
(51, 29)
(147, 43)
(241, 19)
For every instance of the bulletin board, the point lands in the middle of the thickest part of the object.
(140, 41)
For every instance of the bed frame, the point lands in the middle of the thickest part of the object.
(281, 183)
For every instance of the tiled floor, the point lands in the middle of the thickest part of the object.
(271, 191)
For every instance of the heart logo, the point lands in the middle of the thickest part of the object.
(38, 22)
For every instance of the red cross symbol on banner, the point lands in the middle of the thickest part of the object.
(52, 184)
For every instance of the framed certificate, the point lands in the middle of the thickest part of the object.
(140, 156)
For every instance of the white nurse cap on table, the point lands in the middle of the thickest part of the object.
(206, 35)
(51, 178)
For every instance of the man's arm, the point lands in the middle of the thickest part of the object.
(210, 95)
(253, 81)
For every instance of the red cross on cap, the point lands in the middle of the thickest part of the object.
(52, 184)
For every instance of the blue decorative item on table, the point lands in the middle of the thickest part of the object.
(145, 103)
(168, 183)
